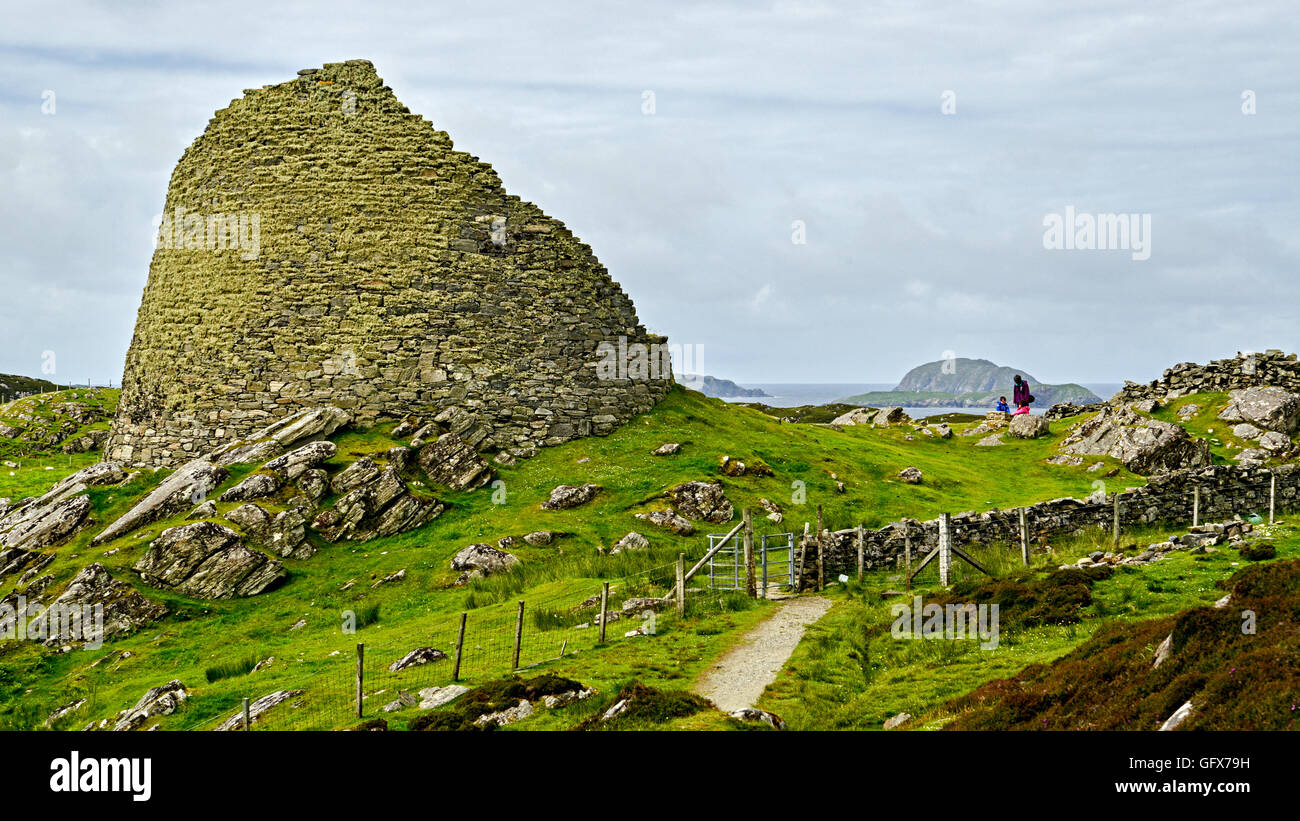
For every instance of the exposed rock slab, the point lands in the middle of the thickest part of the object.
(189, 485)
(255, 486)
(452, 462)
(1269, 408)
(1143, 445)
(257, 708)
(158, 701)
(207, 561)
(125, 609)
(420, 655)
(302, 459)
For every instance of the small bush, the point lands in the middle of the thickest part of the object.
(1258, 551)
(231, 669)
(367, 615)
(646, 705)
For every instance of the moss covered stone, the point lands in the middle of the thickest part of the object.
(321, 245)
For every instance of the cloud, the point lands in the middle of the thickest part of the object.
(923, 230)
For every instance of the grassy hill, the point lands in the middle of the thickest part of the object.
(806, 460)
(11, 385)
(53, 423)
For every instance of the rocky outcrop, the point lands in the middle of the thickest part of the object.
(564, 497)
(274, 439)
(1029, 426)
(257, 708)
(256, 486)
(1273, 409)
(418, 656)
(383, 507)
(54, 517)
(124, 611)
(207, 561)
(252, 519)
(453, 463)
(361, 472)
(302, 459)
(702, 500)
(158, 701)
(632, 541)
(857, 416)
(481, 560)
(1143, 445)
(432, 697)
(911, 475)
(1245, 370)
(189, 485)
(670, 520)
(39, 525)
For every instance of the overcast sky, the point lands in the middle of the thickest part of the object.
(924, 229)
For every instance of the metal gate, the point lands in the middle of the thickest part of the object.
(774, 561)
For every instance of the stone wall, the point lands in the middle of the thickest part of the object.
(1225, 491)
(1270, 368)
(374, 269)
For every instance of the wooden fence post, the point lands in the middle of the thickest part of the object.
(519, 637)
(681, 585)
(1024, 538)
(248, 721)
(1114, 534)
(945, 549)
(858, 536)
(460, 647)
(1196, 505)
(1272, 495)
(750, 589)
(361, 655)
(821, 577)
(604, 609)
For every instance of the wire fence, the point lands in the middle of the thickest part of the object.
(1109, 521)
(498, 640)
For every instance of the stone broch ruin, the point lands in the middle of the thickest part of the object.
(388, 275)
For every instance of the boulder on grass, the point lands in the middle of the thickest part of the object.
(564, 497)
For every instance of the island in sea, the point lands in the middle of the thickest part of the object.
(968, 383)
(717, 388)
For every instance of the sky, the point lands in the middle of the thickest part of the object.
(801, 191)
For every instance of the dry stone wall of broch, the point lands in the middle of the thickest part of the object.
(1271, 368)
(1225, 491)
(373, 268)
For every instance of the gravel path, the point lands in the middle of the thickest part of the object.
(739, 678)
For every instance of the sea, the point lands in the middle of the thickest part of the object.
(794, 394)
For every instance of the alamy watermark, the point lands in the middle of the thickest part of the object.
(60, 622)
(946, 621)
(1098, 232)
(654, 360)
(181, 230)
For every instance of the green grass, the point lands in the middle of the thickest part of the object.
(422, 610)
(231, 669)
(850, 673)
(40, 417)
